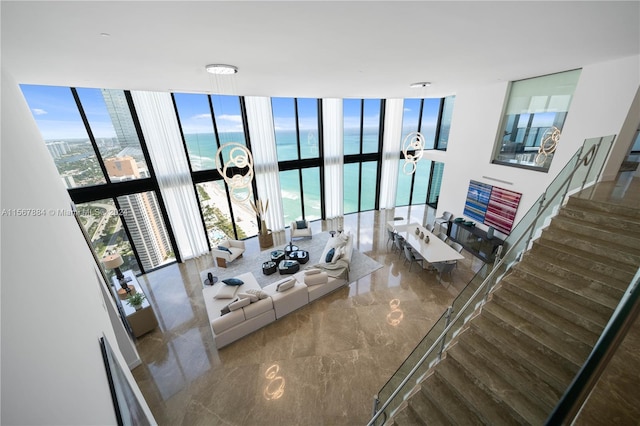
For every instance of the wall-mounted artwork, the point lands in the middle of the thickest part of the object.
(492, 205)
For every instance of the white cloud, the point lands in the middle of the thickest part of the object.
(39, 111)
(229, 117)
(407, 109)
(201, 117)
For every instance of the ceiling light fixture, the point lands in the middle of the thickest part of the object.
(419, 85)
(221, 69)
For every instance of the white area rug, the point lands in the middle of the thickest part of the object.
(361, 264)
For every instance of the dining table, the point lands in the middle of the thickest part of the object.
(427, 244)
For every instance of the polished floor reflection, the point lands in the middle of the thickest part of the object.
(320, 365)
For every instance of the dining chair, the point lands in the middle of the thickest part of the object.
(429, 227)
(411, 256)
(391, 238)
(443, 221)
(444, 268)
(399, 242)
(457, 247)
(443, 236)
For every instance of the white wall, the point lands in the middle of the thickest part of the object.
(600, 106)
(52, 311)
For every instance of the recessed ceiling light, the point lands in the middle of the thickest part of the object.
(419, 85)
(221, 69)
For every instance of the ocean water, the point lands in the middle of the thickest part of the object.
(202, 150)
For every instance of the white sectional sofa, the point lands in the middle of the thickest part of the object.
(250, 313)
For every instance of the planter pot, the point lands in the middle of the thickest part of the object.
(265, 240)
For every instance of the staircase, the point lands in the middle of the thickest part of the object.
(513, 361)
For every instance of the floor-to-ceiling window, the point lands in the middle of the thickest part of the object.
(298, 146)
(420, 183)
(95, 144)
(362, 129)
(209, 122)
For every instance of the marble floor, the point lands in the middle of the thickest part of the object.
(320, 365)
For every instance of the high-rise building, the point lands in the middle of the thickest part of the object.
(141, 212)
(57, 148)
(121, 117)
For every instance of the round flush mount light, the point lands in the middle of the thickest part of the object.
(420, 84)
(221, 69)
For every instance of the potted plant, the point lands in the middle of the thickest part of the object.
(136, 300)
(265, 238)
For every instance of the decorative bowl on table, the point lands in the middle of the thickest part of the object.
(469, 223)
(458, 219)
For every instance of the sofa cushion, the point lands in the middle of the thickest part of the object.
(286, 285)
(233, 281)
(223, 248)
(261, 294)
(330, 255)
(312, 271)
(301, 224)
(240, 303)
(257, 308)
(227, 321)
(316, 279)
(252, 297)
(226, 292)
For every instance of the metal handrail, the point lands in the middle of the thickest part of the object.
(585, 160)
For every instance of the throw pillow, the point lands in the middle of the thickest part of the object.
(225, 310)
(252, 297)
(339, 254)
(240, 303)
(301, 224)
(226, 292)
(344, 237)
(286, 285)
(312, 271)
(223, 248)
(233, 281)
(330, 255)
(261, 294)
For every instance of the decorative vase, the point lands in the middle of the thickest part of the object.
(265, 239)
(421, 235)
(426, 239)
(137, 307)
(490, 232)
(417, 231)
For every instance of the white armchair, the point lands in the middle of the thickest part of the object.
(227, 251)
(298, 231)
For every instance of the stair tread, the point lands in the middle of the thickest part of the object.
(602, 231)
(439, 392)
(543, 362)
(575, 259)
(609, 251)
(568, 310)
(564, 299)
(426, 411)
(543, 315)
(505, 395)
(587, 288)
(509, 366)
(599, 282)
(488, 407)
(607, 210)
(567, 347)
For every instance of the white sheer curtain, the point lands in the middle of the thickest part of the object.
(162, 135)
(332, 121)
(265, 158)
(391, 146)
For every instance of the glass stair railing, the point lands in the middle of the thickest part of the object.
(581, 171)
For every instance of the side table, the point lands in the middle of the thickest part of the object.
(141, 320)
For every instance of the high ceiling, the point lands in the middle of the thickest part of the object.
(310, 49)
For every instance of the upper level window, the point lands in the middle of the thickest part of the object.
(194, 112)
(361, 124)
(535, 113)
